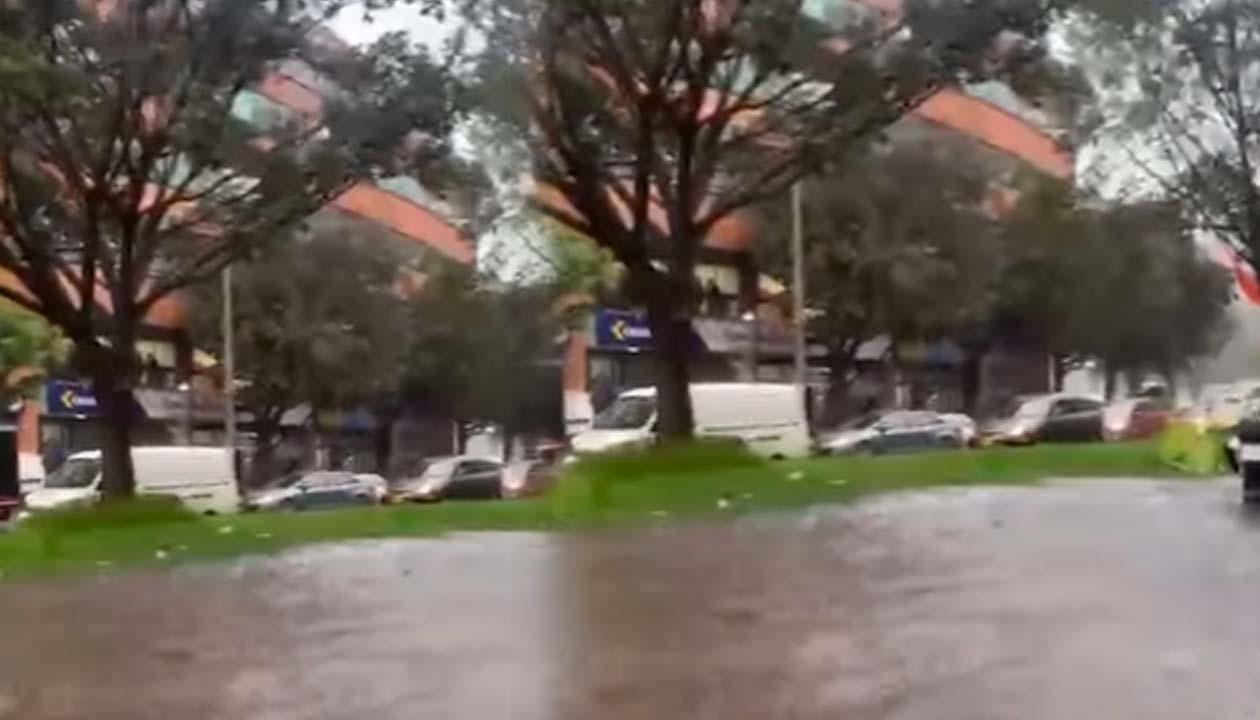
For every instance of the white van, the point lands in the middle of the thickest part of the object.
(768, 418)
(202, 478)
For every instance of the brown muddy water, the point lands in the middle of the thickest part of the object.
(1081, 600)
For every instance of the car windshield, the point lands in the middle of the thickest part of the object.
(1032, 409)
(75, 473)
(439, 469)
(285, 481)
(862, 422)
(626, 413)
(327, 479)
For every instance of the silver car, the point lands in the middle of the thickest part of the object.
(319, 490)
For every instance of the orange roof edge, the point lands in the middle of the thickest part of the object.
(999, 128)
(406, 218)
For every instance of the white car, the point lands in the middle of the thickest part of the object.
(319, 490)
(965, 426)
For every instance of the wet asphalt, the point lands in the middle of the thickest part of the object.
(1115, 599)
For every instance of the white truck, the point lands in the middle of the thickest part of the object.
(768, 418)
(203, 479)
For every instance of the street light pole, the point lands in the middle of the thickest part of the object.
(229, 368)
(798, 290)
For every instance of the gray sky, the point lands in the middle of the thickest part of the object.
(351, 26)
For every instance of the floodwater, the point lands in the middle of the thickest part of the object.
(1082, 600)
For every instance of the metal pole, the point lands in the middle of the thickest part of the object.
(229, 367)
(798, 289)
(185, 425)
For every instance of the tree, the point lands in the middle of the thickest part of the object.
(898, 244)
(318, 319)
(1069, 257)
(128, 173)
(1181, 81)
(653, 122)
(485, 351)
(28, 348)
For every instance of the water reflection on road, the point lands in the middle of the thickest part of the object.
(1117, 600)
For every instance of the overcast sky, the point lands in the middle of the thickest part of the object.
(351, 25)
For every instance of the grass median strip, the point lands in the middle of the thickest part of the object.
(625, 489)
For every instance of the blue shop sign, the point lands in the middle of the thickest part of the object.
(69, 397)
(622, 329)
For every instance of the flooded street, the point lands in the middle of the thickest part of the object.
(1105, 599)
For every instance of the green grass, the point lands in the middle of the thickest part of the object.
(620, 489)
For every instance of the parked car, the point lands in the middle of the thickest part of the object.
(1048, 418)
(965, 425)
(317, 490)
(768, 418)
(1136, 418)
(203, 479)
(896, 431)
(529, 478)
(458, 477)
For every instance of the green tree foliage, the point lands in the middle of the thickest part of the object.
(130, 166)
(28, 348)
(485, 351)
(654, 121)
(318, 319)
(898, 245)
(1121, 283)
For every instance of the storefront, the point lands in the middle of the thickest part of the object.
(70, 413)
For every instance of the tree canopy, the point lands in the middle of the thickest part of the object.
(137, 159)
(1179, 84)
(898, 245)
(319, 319)
(29, 347)
(485, 350)
(1121, 283)
(652, 123)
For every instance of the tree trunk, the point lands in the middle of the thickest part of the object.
(1058, 370)
(672, 338)
(263, 467)
(971, 381)
(1110, 376)
(509, 436)
(117, 414)
(383, 441)
(836, 404)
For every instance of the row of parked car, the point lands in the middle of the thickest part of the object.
(444, 478)
(1056, 417)
(203, 479)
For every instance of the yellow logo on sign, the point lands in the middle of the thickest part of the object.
(67, 398)
(619, 330)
